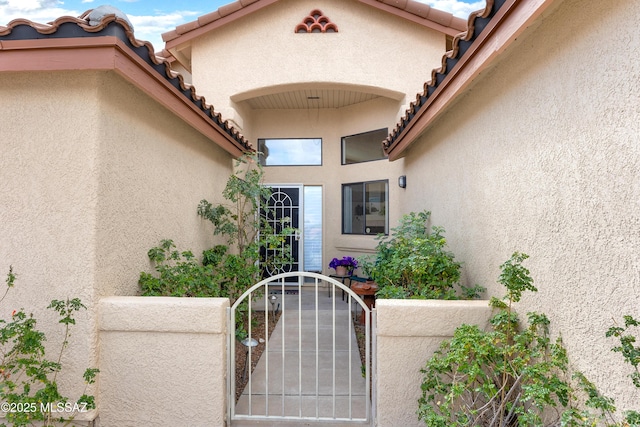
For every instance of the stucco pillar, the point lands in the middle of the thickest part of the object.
(162, 361)
(408, 333)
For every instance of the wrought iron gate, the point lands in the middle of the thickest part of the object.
(310, 367)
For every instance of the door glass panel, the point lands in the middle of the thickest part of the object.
(284, 202)
(312, 230)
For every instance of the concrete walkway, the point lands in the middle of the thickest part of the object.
(331, 386)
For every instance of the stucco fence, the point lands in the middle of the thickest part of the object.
(163, 360)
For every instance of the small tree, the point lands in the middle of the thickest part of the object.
(243, 221)
(255, 240)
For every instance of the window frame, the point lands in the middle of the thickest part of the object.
(343, 147)
(263, 163)
(364, 192)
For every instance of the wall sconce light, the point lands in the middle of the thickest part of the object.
(402, 181)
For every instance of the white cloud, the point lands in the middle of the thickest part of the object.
(456, 7)
(146, 27)
(34, 10)
(150, 28)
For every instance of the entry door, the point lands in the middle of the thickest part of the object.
(285, 202)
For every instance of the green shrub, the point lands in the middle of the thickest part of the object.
(413, 262)
(512, 374)
(179, 274)
(28, 379)
(225, 270)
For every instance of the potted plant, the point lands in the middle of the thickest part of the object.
(344, 266)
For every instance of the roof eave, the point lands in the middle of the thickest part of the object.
(110, 53)
(451, 30)
(175, 38)
(229, 13)
(503, 29)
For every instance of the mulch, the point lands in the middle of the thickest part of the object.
(257, 331)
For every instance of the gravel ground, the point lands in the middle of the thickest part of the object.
(257, 330)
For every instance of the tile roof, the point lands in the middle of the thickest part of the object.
(421, 13)
(461, 43)
(409, 9)
(67, 27)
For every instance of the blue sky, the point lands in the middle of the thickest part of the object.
(151, 18)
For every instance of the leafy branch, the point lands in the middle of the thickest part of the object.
(28, 380)
(514, 374)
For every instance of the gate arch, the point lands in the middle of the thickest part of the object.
(308, 368)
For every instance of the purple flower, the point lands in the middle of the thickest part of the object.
(347, 261)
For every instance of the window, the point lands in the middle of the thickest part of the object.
(363, 147)
(365, 207)
(290, 152)
(312, 229)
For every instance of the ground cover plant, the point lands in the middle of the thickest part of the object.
(514, 374)
(29, 392)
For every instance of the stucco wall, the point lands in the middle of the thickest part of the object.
(371, 48)
(162, 361)
(408, 333)
(371, 52)
(153, 171)
(48, 193)
(331, 125)
(94, 173)
(542, 156)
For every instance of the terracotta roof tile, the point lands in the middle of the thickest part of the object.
(164, 53)
(185, 28)
(228, 9)
(418, 8)
(400, 4)
(443, 20)
(475, 24)
(209, 17)
(424, 11)
(23, 29)
(170, 35)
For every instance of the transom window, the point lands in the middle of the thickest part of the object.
(363, 147)
(290, 152)
(365, 207)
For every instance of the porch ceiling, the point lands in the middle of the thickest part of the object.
(309, 99)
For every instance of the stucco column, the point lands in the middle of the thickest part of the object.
(408, 333)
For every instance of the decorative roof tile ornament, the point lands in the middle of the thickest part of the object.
(316, 22)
